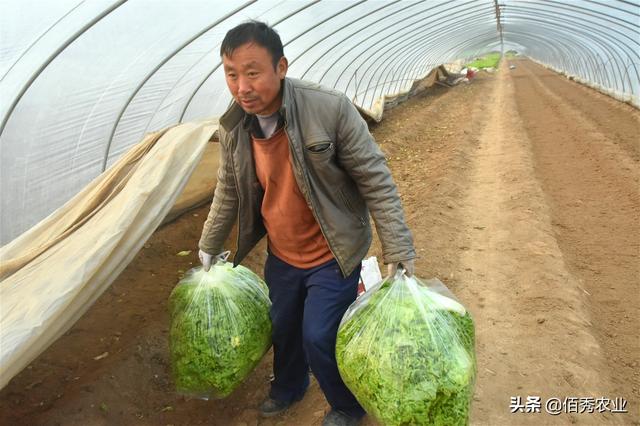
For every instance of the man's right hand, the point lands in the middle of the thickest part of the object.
(208, 259)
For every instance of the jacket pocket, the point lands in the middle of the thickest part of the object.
(320, 151)
(347, 203)
(320, 147)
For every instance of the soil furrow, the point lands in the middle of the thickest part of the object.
(592, 187)
(530, 304)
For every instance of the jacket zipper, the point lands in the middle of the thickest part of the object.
(313, 207)
(235, 179)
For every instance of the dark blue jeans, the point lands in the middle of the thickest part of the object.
(307, 306)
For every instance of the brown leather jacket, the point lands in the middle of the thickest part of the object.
(338, 166)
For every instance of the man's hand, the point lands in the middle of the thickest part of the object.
(207, 259)
(407, 265)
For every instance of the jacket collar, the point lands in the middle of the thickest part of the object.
(236, 115)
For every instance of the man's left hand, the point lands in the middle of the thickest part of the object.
(407, 265)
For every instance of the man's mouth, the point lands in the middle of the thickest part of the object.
(248, 101)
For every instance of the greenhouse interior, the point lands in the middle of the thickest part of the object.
(484, 162)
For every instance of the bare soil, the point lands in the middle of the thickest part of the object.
(522, 191)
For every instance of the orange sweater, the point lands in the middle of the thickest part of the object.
(293, 233)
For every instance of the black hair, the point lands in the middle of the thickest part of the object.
(253, 32)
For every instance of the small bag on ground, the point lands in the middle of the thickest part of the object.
(220, 329)
(406, 350)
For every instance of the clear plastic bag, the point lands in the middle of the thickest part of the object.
(406, 349)
(220, 329)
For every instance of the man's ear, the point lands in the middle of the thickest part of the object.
(282, 67)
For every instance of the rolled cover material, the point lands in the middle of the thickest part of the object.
(44, 297)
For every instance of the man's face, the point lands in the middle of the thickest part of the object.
(252, 80)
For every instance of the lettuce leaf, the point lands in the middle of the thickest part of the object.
(220, 329)
(408, 355)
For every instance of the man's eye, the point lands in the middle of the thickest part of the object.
(231, 76)
(252, 74)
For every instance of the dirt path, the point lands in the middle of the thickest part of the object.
(589, 165)
(535, 322)
(522, 192)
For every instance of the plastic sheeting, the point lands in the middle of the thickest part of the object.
(54, 272)
(83, 81)
(595, 41)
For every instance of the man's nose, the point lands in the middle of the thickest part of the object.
(244, 86)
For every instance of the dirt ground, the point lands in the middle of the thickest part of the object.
(522, 191)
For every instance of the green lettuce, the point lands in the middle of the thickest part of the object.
(220, 329)
(407, 354)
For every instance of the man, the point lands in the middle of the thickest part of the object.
(299, 165)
